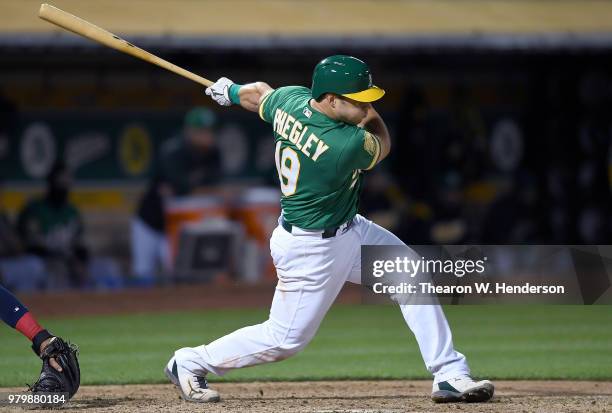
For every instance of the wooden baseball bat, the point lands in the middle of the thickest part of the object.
(91, 31)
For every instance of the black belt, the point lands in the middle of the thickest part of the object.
(326, 233)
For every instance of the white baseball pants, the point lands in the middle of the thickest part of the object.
(149, 249)
(311, 271)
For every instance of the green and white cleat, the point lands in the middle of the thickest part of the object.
(193, 388)
(462, 389)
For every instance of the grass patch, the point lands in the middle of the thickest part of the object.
(354, 342)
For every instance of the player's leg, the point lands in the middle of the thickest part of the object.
(311, 272)
(427, 322)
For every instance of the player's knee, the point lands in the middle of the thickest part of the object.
(288, 349)
(294, 346)
(296, 341)
(288, 342)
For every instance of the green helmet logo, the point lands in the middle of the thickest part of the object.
(346, 76)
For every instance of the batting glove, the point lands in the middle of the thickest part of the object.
(219, 91)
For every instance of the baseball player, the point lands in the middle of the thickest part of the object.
(326, 137)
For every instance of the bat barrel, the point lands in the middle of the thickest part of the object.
(86, 29)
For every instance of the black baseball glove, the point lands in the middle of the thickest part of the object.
(53, 381)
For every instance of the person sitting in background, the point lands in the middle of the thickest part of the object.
(186, 163)
(19, 271)
(386, 203)
(52, 229)
(9, 241)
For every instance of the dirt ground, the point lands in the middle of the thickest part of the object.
(345, 396)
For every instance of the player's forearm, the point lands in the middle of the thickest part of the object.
(375, 124)
(250, 95)
(16, 315)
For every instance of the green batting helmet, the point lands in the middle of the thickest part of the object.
(346, 76)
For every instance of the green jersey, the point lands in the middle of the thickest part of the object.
(319, 160)
(43, 226)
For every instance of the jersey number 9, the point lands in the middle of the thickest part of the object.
(288, 167)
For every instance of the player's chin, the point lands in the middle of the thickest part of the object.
(362, 115)
(355, 119)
